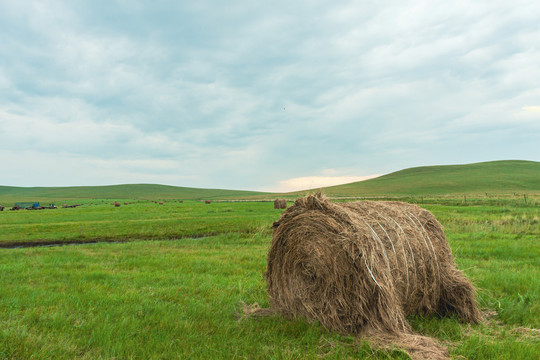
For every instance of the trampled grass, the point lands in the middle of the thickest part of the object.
(179, 299)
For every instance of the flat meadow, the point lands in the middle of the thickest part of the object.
(170, 282)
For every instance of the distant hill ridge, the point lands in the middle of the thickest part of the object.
(496, 177)
(501, 177)
(129, 191)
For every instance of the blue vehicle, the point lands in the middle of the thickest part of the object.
(31, 205)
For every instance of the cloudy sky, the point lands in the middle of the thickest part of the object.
(262, 95)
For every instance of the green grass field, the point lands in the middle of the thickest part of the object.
(165, 295)
(99, 220)
(169, 281)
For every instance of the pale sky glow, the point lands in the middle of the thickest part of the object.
(262, 96)
(316, 182)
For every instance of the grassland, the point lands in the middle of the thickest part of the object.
(168, 281)
(164, 295)
(99, 220)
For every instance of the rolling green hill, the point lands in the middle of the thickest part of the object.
(496, 177)
(134, 191)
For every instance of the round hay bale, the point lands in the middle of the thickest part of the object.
(207, 201)
(280, 204)
(363, 267)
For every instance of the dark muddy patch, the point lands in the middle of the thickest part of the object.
(54, 243)
(28, 244)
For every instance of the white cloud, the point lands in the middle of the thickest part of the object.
(238, 95)
(62, 169)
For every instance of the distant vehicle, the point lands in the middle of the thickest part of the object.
(30, 205)
(33, 205)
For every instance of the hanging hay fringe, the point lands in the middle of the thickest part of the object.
(363, 267)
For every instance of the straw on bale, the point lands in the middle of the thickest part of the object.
(363, 267)
(280, 204)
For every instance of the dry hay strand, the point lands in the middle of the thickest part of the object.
(253, 310)
(280, 204)
(363, 267)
